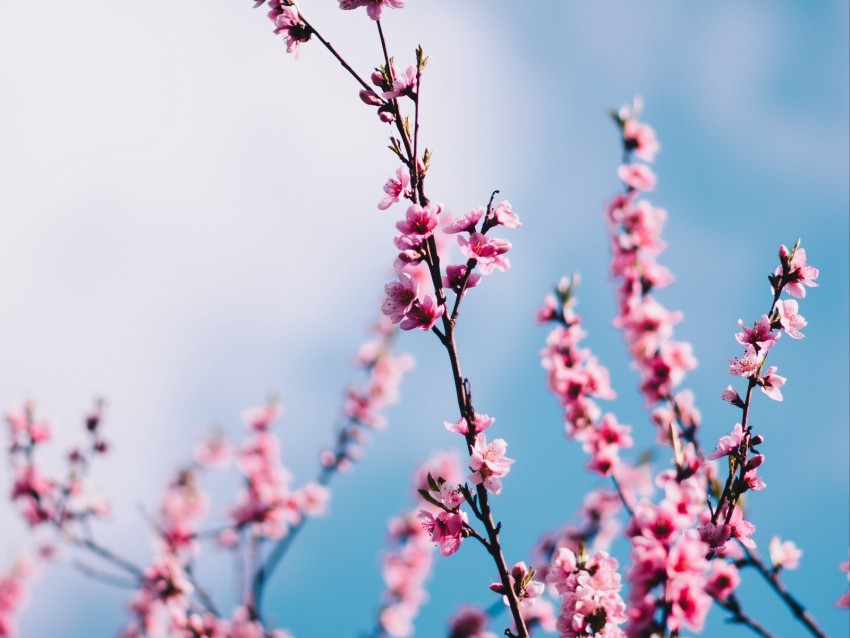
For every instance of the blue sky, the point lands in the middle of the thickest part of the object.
(190, 224)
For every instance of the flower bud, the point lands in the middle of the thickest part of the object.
(370, 97)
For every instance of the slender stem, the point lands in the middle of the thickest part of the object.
(792, 603)
(732, 605)
(333, 51)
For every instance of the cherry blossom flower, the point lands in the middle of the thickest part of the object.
(723, 579)
(396, 188)
(489, 463)
(771, 382)
(420, 221)
(466, 223)
(373, 7)
(784, 554)
(637, 176)
(640, 138)
(469, 622)
(789, 319)
(747, 365)
(401, 295)
(505, 216)
(445, 529)
(403, 84)
(800, 274)
(289, 24)
(487, 250)
(482, 422)
(454, 277)
(423, 314)
(760, 336)
(524, 587)
(729, 443)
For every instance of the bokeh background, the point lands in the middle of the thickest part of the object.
(189, 224)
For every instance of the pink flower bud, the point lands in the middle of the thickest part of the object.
(370, 97)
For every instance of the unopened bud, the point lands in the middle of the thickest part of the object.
(385, 113)
(370, 98)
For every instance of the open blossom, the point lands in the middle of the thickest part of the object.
(729, 443)
(401, 295)
(748, 363)
(789, 318)
(373, 7)
(800, 274)
(465, 223)
(454, 278)
(761, 336)
(423, 314)
(482, 422)
(420, 221)
(640, 138)
(505, 216)
(637, 176)
(785, 555)
(403, 84)
(445, 528)
(487, 250)
(288, 23)
(771, 382)
(489, 463)
(396, 188)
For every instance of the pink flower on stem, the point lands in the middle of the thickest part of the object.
(748, 364)
(789, 318)
(454, 278)
(401, 295)
(729, 443)
(466, 223)
(423, 314)
(403, 84)
(723, 579)
(522, 584)
(487, 251)
(482, 422)
(489, 463)
(637, 176)
(505, 216)
(373, 7)
(420, 221)
(640, 138)
(784, 555)
(446, 529)
(396, 188)
(800, 274)
(761, 335)
(771, 382)
(730, 394)
(288, 23)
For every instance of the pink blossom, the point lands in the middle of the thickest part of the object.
(723, 579)
(844, 600)
(446, 529)
(761, 336)
(423, 314)
(469, 622)
(420, 221)
(730, 394)
(487, 250)
(482, 422)
(522, 584)
(789, 319)
(784, 555)
(800, 274)
(402, 84)
(412, 249)
(729, 443)
(747, 365)
(401, 295)
(373, 7)
(455, 275)
(641, 139)
(637, 176)
(505, 216)
(771, 382)
(396, 188)
(466, 223)
(288, 23)
(489, 463)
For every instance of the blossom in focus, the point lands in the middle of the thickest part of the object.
(487, 250)
(489, 463)
(445, 528)
(396, 188)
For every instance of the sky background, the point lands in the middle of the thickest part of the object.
(189, 224)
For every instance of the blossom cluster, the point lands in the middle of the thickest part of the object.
(13, 594)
